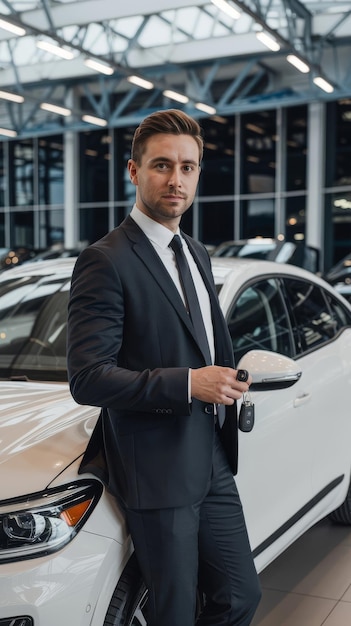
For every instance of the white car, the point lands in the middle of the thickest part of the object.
(65, 553)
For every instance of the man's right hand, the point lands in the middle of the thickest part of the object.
(217, 385)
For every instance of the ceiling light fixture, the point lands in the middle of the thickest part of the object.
(12, 28)
(206, 108)
(268, 41)
(298, 63)
(323, 84)
(140, 82)
(53, 108)
(91, 119)
(54, 49)
(227, 8)
(103, 68)
(255, 128)
(174, 95)
(7, 132)
(13, 97)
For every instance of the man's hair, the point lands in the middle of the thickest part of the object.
(170, 121)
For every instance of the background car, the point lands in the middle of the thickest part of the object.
(65, 552)
(340, 272)
(294, 252)
(11, 257)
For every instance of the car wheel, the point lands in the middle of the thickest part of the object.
(129, 600)
(342, 515)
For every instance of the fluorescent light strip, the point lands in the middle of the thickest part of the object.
(91, 119)
(53, 49)
(174, 95)
(323, 84)
(227, 8)
(206, 108)
(298, 63)
(53, 108)
(7, 132)
(13, 97)
(140, 82)
(12, 28)
(103, 68)
(268, 41)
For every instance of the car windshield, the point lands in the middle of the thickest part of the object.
(252, 250)
(33, 312)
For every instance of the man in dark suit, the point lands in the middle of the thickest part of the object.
(160, 444)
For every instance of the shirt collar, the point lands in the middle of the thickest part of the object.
(158, 234)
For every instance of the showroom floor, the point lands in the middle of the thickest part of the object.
(310, 584)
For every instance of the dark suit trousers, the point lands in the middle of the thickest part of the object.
(205, 544)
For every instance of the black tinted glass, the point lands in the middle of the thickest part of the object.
(258, 320)
(33, 328)
(313, 322)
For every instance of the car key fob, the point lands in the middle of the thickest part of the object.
(247, 414)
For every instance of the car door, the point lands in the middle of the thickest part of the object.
(275, 458)
(322, 331)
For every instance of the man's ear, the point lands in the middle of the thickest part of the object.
(132, 169)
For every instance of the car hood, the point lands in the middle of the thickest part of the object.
(42, 431)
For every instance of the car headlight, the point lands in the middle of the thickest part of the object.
(40, 523)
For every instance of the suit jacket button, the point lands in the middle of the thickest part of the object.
(209, 409)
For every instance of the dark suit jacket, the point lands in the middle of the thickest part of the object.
(130, 345)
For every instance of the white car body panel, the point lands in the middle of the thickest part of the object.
(42, 420)
(43, 434)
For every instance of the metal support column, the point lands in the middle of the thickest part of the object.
(71, 178)
(315, 177)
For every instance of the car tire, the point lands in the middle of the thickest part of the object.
(342, 515)
(129, 598)
(127, 606)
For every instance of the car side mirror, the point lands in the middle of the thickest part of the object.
(269, 370)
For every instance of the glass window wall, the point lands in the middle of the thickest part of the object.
(50, 161)
(94, 166)
(259, 136)
(2, 175)
(218, 166)
(296, 148)
(338, 153)
(295, 229)
(338, 230)
(94, 223)
(22, 228)
(22, 172)
(51, 225)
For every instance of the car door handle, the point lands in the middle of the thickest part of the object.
(305, 397)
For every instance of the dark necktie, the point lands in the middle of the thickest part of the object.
(190, 295)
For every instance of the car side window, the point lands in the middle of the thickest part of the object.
(339, 312)
(313, 321)
(258, 319)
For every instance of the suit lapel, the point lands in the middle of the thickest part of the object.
(222, 337)
(147, 254)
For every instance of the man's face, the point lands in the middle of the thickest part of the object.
(167, 177)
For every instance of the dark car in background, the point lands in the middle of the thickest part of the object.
(340, 272)
(339, 276)
(12, 257)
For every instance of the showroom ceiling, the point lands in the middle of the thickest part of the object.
(192, 52)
